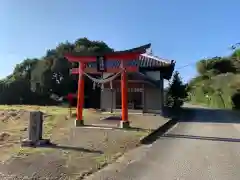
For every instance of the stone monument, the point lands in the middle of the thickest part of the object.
(35, 128)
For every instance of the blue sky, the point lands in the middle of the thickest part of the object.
(185, 31)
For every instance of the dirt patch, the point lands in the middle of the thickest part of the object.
(4, 136)
(77, 151)
(11, 115)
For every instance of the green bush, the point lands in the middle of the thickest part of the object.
(176, 93)
(217, 92)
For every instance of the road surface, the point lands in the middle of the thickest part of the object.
(204, 147)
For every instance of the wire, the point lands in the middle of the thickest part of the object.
(190, 64)
(233, 47)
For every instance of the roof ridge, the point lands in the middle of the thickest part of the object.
(157, 58)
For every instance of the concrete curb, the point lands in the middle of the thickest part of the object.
(159, 132)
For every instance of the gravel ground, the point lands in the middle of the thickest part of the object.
(79, 151)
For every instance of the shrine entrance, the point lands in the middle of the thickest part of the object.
(116, 64)
(135, 100)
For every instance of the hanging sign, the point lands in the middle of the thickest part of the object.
(101, 64)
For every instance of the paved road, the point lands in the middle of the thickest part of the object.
(206, 147)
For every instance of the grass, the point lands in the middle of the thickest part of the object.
(26, 151)
(16, 151)
(103, 160)
(119, 113)
(54, 115)
(49, 124)
(56, 127)
(54, 119)
(51, 110)
(141, 134)
(14, 127)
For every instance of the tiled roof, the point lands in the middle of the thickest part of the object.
(144, 61)
(147, 60)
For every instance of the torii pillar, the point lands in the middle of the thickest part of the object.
(124, 90)
(80, 96)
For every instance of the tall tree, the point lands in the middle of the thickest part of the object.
(176, 92)
(48, 75)
(51, 74)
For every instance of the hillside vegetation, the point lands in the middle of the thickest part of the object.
(218, 82)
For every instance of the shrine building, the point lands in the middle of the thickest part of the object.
(145, 87)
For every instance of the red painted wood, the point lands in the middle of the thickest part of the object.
(71, 95)
(125, 56)
(80, 93)
(124, 91)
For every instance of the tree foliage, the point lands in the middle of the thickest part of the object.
(218, 82)
(176, 93)
(34, 80)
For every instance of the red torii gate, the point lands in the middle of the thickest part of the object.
(101, 59)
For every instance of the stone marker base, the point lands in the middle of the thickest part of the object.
(124, 124)
(39, 143)
(79, 123)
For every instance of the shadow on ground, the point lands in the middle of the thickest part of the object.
(204, 115)
(159, 132)
(207, 138)
(195, 114)
(65, 147)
